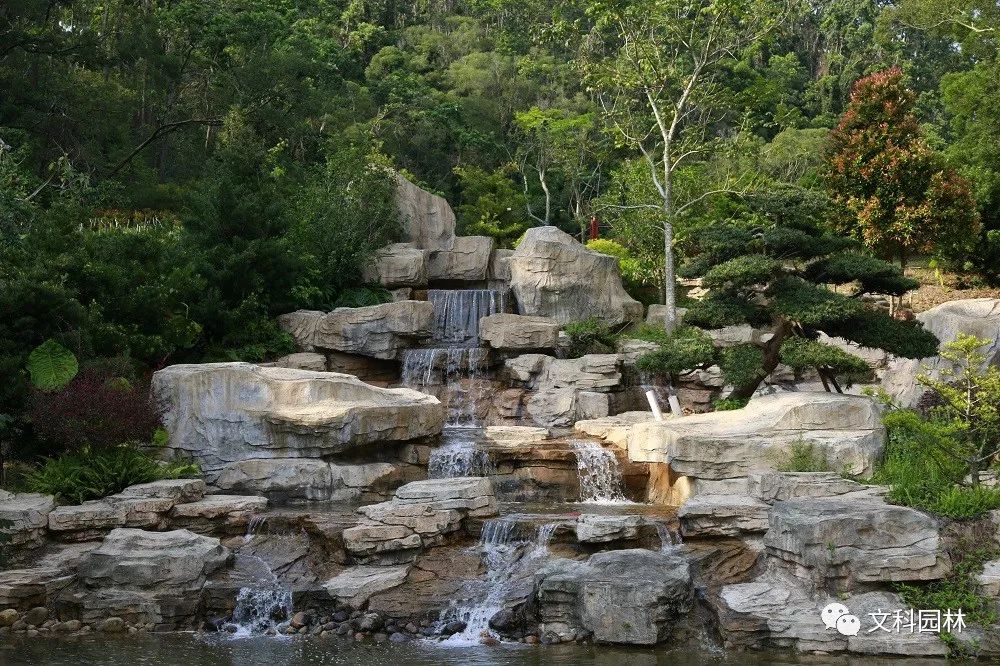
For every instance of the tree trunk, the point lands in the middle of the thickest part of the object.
(669, 279)
(771, 359)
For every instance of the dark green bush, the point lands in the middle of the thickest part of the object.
(589, 336)
(79, 476)
(687, 349)
(741, 363)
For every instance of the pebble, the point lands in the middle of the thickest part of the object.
(68, 625)
(398, 638)
(37, 615)
(9, 617)
(112, 625)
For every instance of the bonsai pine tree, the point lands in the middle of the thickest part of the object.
(894, 192)
(798, 280)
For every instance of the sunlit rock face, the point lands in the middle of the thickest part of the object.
(221, 413)
(553, 275)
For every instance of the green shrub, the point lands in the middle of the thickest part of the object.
(740, 364)
(730, 404)
(686, 349)
(92, 474)
(358, 297)
(589, 336)
(804, 458)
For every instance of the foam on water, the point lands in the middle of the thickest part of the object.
(599, 474)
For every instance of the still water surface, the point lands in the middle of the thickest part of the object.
(189, 650)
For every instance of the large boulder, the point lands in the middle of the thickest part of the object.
(844, 431)
(976, 316)
(427, 219)
(379, 331)
(467, 260)
(398, 265)
(148, 577)
(840, 543)
(520, 332)
(622, 596)
(221, 413)
(553, 275)
(773, 487)
(722, 515)
(355, 585)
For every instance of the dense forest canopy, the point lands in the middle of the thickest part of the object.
(175, 173)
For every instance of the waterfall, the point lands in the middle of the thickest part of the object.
(457, 313)
(545, 534)
(459, 455)
(266, 606)
(669, 540)
(599, 474)
(505, 554)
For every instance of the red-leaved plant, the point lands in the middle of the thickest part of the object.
(95, 410)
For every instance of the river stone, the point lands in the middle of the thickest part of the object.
(773, 487)
(596, 528)
(467, 260)
(722, 515)
(511, 331)
(355, 585)
(975, 316)
(428, 221)
(622, 596)
(28, 514)
(776, 613)
(553, 275)
(221, 413)
(398, 265)
(379, 331)
(841, 543)
(845, 431)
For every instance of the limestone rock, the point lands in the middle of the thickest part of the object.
(500, 265)
(773, 487)
(355, 585)
(221, 413)
(286, 478)
(553, 275)
(596, 528)
(468, 259)
(632, 350)
(622, 596)
(975, 316)
(656, 314)
(178, 490)
(722, 515)
(84, 521)
(613, 429)
(592, 372)
(352, 482)
(379, 331)
(510, 331)
(366, 540)
(130, 558)
(398, 265)
(300, 361)
(843, 542)
(427, 219)
(223, 514)
(845, 431)
(515, 436)
(28, 514)
(989, 579)
(775, 613)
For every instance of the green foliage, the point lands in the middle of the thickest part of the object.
(804, 457)
(688, 348)
(800, 354)
(77, 477)
(741, 273)
(358, 297)
(741, 364)
(589, 336)
(873, 275)
(51, 366)
(730, 404)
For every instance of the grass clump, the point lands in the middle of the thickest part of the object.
(804, 457)
(88, 474)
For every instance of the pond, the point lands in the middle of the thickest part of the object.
(195, 650)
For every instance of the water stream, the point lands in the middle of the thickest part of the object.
(265, 606)
(599, 474)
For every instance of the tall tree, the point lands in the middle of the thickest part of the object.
(657, 68)
(896, 194)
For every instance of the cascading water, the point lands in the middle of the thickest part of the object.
(599, 474)
(506, 554)
(457, 313)
(459, 455)
(669, 540)
(265, 606)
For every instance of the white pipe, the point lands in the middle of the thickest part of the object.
(653, 405)
(675, 404)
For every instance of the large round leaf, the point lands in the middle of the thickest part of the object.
(51, 366)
